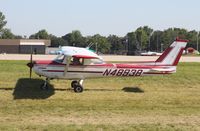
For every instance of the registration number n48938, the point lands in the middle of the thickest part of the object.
(122, 72)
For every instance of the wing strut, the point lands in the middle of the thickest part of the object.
(68, 59)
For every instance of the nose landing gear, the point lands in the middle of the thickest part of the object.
(45, 85)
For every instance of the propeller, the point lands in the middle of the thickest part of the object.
(30, 64)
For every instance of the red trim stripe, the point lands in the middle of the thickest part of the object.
(157, 73)
(100, 65)
(73, 71)
(53, 70)
(86, 71)
(140, 66)
(146, 62)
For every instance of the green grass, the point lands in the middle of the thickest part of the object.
(144, 103)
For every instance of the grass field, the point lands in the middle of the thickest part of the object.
(144, 103)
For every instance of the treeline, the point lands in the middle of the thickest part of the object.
(142, 39)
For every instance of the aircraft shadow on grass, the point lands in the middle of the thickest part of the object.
(26, 88)
(133, 89)
(125, 89)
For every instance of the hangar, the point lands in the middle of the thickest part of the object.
(23, 46)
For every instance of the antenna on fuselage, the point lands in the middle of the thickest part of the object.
(90, 45)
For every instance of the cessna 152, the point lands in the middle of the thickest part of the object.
(78, 64)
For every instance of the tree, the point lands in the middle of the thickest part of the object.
(142, 38)
(132, 43)
(2, 21)
(18, 37)
(75, 38)
(156, 41)
(42, 34)
(57, 41)
(103, 44)
(117, 46)
(7, 34)
(147, 30)
(192, 37)
(180, 32)
(4, 32)
(149, 33)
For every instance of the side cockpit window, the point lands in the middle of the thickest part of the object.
(76, 61)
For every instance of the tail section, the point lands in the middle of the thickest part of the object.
(172, 54)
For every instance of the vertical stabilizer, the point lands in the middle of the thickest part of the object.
(172, 54)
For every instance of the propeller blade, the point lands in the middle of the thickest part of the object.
(31, 59)
(30, 64)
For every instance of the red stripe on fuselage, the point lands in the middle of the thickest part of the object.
(53, 63)
(53, 70)
(73, 71)
(139, 66)
(140, 62)
(156, 73)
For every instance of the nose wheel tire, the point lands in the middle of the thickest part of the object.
(74, 83)
(78, 89)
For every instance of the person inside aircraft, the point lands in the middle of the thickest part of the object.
(76, 61)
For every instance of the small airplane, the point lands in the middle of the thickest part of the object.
(150, 53)
(78, 64)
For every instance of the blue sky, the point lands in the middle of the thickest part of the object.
(105, 17)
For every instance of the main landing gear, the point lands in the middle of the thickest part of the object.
(77, 86)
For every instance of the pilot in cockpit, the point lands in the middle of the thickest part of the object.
(76, 61)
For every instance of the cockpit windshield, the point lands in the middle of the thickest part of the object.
(60, 59)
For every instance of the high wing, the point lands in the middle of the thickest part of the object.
(79, 52)
(76, 52)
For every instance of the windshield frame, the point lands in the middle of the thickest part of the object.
(60, 59)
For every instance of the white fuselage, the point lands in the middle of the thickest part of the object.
(55, 70)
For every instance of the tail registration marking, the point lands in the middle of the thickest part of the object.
(122, 72)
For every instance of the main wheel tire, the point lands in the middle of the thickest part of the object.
(44, 86)
(78, 89)
(74, 84)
